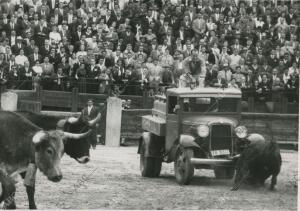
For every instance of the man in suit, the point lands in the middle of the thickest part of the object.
(52, 4)
(199, 26)
(91, 112)
(35, 56)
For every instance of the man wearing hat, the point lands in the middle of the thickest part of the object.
(88, 113)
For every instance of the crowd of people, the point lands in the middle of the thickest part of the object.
(127, 46)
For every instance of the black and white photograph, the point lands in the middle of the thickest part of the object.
(149, 104)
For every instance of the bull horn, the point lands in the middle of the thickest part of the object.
(76, 136)
(73, 120)
(92, 122)
(37, 138)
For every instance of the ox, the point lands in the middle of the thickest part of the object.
(77, 149)
(24, 147)
(258, 161)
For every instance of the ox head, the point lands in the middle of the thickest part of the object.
(49, 148)
(77, 149)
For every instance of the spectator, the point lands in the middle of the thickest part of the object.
(21, 58)
(226, 73)
(292, 88)
(88, 38)
(219, 82)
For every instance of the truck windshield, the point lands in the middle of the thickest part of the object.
(210, 104)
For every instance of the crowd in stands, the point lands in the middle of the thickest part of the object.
(127, 46)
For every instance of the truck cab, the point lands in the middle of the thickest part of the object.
(194, 128)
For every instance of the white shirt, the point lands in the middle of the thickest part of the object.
(55, 36)
(89, 109)
(20, 60)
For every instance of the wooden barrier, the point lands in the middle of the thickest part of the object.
(74, 101)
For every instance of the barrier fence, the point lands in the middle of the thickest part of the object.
(73, 100)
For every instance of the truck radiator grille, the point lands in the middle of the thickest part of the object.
(221, 137)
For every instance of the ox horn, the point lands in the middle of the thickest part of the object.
(76, 136)
(37, 138)
(92, 122)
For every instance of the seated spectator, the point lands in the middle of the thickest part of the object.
(54, 36)
(238, 75)
(226, 73)
(25, 77)
(59, 80)
(234, 59)
(219, 82)
(187, 80)
(285, 76)
(233, 84)
(47, 74)
(104, 80)
(167, 77)
(211, 74)
(155, 72)
(21, 59)
(12, 78)
(294, 70)
(178, 68)
(292, 88)
(264, 89)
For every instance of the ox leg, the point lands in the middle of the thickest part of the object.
(273, 182)
(30, 194)
(8, 191)
(29, 182)
(241, 175)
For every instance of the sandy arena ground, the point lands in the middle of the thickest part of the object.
(111, 180)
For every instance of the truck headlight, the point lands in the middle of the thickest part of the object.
(241, 131)
(203, 131)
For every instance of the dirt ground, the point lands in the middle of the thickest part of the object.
(111, 180)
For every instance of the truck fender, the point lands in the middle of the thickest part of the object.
(151, 145)
(188, 141)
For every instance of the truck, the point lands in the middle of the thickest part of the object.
(196, 128)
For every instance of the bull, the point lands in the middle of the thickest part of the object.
(258, 161)
(24, 147)
(77, 149)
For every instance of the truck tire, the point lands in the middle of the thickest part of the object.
(184, 169)
(150, 166)
(224, 172)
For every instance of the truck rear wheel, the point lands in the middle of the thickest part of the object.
(224, 172)
(184, 169)
(150, 166)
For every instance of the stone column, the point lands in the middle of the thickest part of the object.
(113, 122)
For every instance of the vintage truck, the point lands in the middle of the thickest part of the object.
(194, 128)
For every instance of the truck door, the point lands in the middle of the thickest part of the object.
(172, 122)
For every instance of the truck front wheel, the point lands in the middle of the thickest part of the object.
(184, 169)
(150, 166)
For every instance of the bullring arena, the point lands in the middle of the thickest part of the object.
(149, 104)
(112, 180)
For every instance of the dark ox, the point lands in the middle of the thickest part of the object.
(260, 160)
(76, 148)
(24, 147)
